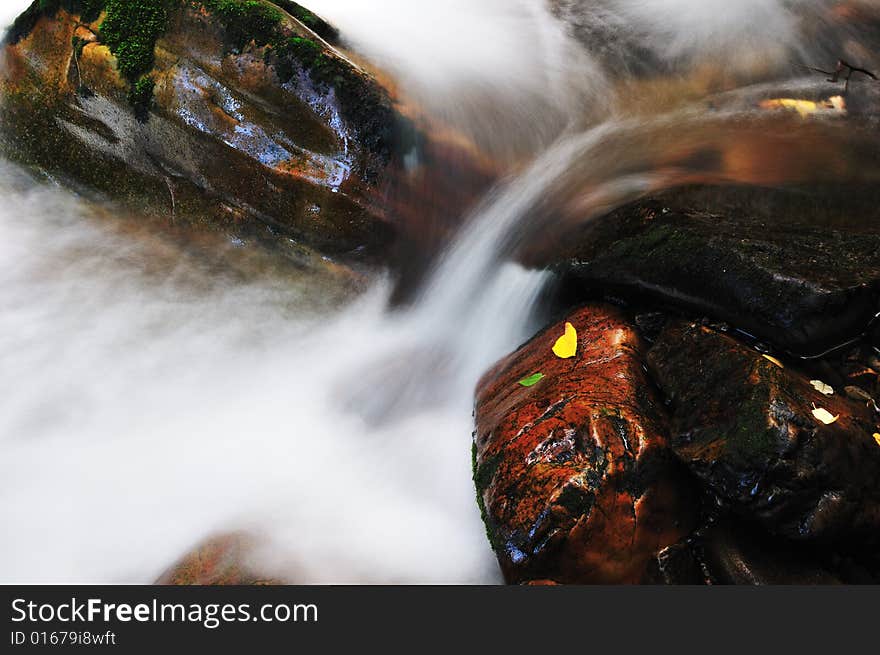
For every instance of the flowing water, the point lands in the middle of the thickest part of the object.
(153, 395)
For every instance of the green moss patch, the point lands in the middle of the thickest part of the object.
(141, 97)
(131, 30)
(482, 478)
(315, 23)
(246, 20)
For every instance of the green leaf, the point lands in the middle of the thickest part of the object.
(532, 380)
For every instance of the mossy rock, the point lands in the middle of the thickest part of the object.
(779, 264)
(199, 111)
(745, 425)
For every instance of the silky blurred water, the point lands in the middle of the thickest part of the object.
(148, 403)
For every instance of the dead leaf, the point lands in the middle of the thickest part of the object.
(822, 388)
(805, 108)
(566, 345)
(824, 416)
(877, 438)
(774, 360)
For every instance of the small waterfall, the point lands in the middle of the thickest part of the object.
(148, 402)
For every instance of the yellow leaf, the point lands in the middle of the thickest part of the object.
(877, 438)
(566, 346)
(822, 388)
(835, 105)
(802, 107)
(774, 360)
(824, 416)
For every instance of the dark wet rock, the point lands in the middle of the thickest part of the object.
(222, 560)
(608, 35)
(245, 122)
(736, 553)
(731, 552)
(773, 264)
(613, 34)
(311, 20)
(678, 564)
(745, 426)
(573, 474)
(446, 177)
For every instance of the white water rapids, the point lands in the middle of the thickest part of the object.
(147, 403)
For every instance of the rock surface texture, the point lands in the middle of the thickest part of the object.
(802, 286)
(697, 460)
(756, 435)
(223, 113)
(574, 474)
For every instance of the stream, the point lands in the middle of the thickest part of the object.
(156, 392)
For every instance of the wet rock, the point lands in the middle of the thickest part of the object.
(222, 560)
(803, 279)
(737, 553)
(311, 20)
(246, 122)
(746, 427)
(678, 564)
(732, 552)
(621, 36)
(445, 178)
(573, 474)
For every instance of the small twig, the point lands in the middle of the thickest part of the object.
(163, 171)
(844, 67)
(79, 79)
(171, 193)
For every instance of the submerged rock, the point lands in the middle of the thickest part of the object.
(774, 264)
(770, 444)
(222, 560)
(573, 474)
(229, 114)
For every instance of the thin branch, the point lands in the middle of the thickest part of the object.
(844, 70)
(171, 192)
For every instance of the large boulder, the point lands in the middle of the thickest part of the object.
(223, 113)
(774, 446)
(803, 275)
(573, 474)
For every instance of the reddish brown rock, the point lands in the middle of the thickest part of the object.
(745, 426)
(222, 560)
(573, 474)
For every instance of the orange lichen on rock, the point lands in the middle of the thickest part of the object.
(574, 474)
